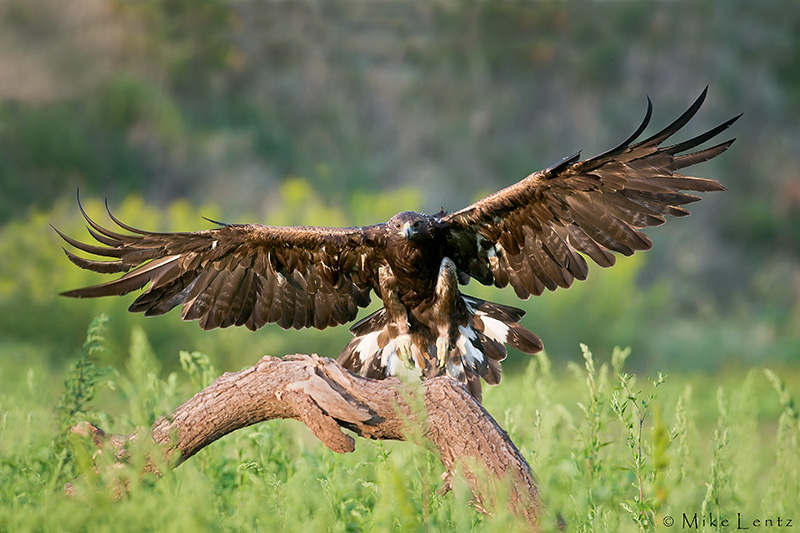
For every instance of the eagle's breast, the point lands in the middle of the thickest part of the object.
(415, 265)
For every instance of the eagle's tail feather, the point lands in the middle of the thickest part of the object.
(479, 346)
(501, 323)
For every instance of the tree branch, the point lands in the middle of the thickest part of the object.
(326, 398)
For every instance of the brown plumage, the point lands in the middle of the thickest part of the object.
(532, 235)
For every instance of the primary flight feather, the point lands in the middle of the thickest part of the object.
(532, 235)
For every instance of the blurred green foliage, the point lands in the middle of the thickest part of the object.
(344, 113)
(35, 320)
(611, 308)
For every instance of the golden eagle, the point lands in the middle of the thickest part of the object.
(532, 235)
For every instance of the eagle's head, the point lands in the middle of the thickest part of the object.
(409, 225)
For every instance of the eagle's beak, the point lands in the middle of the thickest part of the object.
(408, 231)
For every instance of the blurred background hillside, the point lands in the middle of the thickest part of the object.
(340, 113)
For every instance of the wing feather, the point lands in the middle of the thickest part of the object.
(196, 303)
(247, 275)
(550, 264)
(532, 234)
(244, 304)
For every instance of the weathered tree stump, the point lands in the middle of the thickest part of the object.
(326, 398)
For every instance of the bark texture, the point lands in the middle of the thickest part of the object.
(326, 398)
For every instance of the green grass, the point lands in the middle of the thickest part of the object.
(612, 452)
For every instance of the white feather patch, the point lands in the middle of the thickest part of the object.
(389, 351)
(367, 346)
(472, 355)
(470, 307)
(393, 365)
(494, 328)
(468, 332)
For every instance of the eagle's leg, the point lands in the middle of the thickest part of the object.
(445, 309)
(442, 349)
(397, 313)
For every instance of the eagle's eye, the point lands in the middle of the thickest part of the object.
(417, 224)
(397, 225)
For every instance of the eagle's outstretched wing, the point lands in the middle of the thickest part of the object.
(528, 235)
(247, 275)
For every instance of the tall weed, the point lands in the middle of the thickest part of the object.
(609, 455)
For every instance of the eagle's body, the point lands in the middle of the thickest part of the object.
(426, 322)
(413, 258)
(531, 235)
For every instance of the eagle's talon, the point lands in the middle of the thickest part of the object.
(404, 350)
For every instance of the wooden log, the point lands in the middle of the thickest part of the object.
(327, 398)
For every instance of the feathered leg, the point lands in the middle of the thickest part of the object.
(397, 312)
(445, 310)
